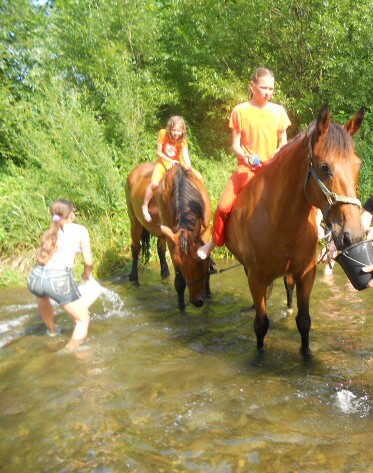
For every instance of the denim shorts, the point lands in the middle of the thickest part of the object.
(58, 284)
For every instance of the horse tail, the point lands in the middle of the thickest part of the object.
(145, 246)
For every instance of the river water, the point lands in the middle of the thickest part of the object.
(154, 390)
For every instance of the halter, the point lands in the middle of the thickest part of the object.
(331, 197)
(194, 281)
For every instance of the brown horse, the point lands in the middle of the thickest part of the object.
(181, 214)
(272, 228)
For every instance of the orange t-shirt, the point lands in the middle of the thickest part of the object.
(259, 128)
(170, 147)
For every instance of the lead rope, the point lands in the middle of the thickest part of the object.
(219, 271)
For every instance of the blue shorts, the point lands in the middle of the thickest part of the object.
(58, 284)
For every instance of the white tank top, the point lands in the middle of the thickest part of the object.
(68, 245)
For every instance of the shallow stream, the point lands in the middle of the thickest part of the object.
(156, 391)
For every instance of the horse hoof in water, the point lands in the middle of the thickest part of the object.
(259, 358)
(134, 280)
(306, 353)
(165, 274)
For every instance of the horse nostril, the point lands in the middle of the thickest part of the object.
(346, 240)
(198, 303)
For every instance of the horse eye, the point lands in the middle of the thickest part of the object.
(324, 170)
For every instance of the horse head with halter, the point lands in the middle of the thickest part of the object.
(334, 150)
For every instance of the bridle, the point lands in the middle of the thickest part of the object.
(331, 197)
(194, 281)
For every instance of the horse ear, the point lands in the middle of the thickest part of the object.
(197, 230)
(323, 121)
(354, 124)
(168, 233)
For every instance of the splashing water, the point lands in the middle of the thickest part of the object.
(10, 329)
(91, 290)
(349, 403)
(113, 304)
(109, 304)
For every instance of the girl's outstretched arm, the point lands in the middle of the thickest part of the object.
(186, 157)
(85, 246)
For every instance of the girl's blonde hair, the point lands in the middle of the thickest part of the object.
(261, 72)
(257, 74)
(60, 210)
(177, 120)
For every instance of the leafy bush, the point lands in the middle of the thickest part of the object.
(86, 86)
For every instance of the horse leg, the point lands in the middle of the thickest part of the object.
(303, 319)
(133, 276)
(261, 321)
(208, 290)
(252, 307)
(161, 248)
(136, 230)
(211, 270)
(180, 286)
(289, 286)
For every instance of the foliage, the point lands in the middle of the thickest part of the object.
(86, 85)
(11, 277)
(364, 149)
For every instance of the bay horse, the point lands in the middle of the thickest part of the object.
(272, 229)
(181, 213)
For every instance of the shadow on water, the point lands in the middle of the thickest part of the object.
(159, 391)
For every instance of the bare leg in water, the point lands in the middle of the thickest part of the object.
(46, 312)
(78, 311)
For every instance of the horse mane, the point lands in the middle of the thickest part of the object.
(337, 139)
(188, 202)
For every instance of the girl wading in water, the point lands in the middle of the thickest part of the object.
(53, 277)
